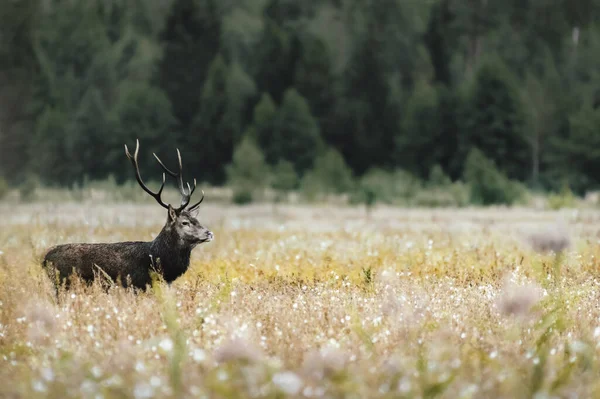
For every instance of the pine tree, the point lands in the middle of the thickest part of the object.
(248, 172)
(495, 120)
(297, 137)
(275, 60)
(143, 112)
(49, 159)
(87, 137)
(263, 127)
(364, 122)
(314, 77)
(190, 41)
(217, 127)
(418, 144)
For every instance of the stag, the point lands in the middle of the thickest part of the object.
(132, 263)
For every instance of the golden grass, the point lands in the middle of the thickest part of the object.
(308, 302)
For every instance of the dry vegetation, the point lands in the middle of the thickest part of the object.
(311, 302)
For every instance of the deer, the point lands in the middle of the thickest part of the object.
(132, 263)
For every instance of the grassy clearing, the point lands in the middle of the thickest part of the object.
(310, 302)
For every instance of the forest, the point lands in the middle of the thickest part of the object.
(502, 95)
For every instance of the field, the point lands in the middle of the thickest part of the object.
(293, 301)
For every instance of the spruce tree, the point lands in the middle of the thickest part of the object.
(190, 41)
(297, 137)
(495, 120)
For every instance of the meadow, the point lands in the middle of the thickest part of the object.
(310, 301)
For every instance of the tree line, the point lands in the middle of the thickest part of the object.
(415, 86)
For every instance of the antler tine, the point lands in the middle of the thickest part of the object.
(138, 177)
(193, 207)
(178, 176)
(187, 197)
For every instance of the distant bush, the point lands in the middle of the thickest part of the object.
(28, 189)
(248, 172)
(4, 189)
(452, 195)
(242, 196)
(284, 178)
(489, 186)
(437, 177)
(563, 199)
(329, 175)
(394, 188)
(440, 191)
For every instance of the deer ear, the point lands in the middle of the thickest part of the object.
(172, 213)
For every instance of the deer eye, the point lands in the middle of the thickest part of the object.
(185, 223)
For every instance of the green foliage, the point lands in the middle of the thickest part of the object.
(437, 177)
(284, 176)
(563, 199)
(248, 173)
(4, 188)
(46, 152)
(418, 143)
(488, 185)
(396, 187)
(495, 120)
(297, 136)
(274, 60)
(143, 112)
(388, 84)
(190, 42)
(330, 174)
(28, 188)
(263, 127)
(218, 125)
(440, 191)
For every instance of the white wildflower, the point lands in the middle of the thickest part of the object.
(143, 391)
(288, 382)
(199, 355)
(166, 345)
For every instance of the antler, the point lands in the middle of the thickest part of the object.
(134, 161)
(185, 195)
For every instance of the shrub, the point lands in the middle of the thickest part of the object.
(378, 185)
(28, 189)
(284, 178)
(488, 185)
(330, 173)
(248, 172)
(242, 196)
(563, 199)
(437, 177)
(4, 189)
(440, 191)
(452, 195)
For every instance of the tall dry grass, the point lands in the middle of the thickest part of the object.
(311, 302)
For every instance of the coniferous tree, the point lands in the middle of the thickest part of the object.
(263, 127)
(274, 60)
(314, 77)
(143, 112)
(297, 137)
(364, 123)
(190, 41)
(217, 127)
(418, 144)
(495, 120)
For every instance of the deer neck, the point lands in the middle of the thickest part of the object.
(173, 253)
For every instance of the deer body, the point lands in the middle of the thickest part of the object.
(132, 261)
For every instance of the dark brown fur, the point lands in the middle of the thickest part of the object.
(131, 262)
(168, 254)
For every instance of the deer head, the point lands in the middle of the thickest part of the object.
(181, 220)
